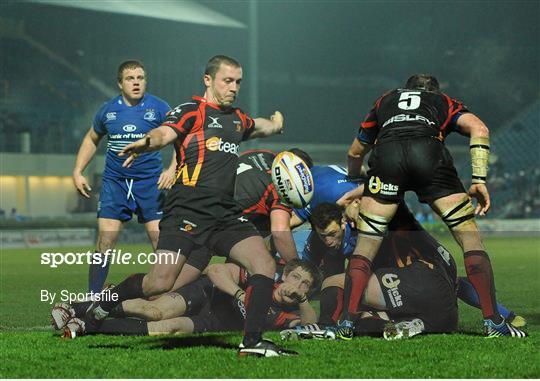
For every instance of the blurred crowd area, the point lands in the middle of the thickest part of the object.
(50, 114)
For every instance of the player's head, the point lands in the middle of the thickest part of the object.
(329, 223)
(302, 155)
(132, 80)
(423, 82)
(222, 78)
(302, 276)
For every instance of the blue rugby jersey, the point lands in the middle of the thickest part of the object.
(330, 183)
(124, 124)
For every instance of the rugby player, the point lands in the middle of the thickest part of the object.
(212, 303)
(200, 209)
(406, 129)
(334, 240)
(125, 119)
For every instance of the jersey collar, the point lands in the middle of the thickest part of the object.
(213, 105)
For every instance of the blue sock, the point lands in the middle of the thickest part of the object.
(467, 293)
(96, 277)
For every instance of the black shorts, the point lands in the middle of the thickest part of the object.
(196, 294)
(417, 291)
(420, 164)
(197, 217)
(220, 315)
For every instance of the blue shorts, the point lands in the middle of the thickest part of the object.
(120, 198)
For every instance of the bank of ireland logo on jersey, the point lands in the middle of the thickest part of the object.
(129, 127)
(215, 123)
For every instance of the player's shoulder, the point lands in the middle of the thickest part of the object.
(184, 108)
(110, 107)
(156, 101)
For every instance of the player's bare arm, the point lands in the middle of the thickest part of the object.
(226, 277)
(355, 157)
(268, 127)
(281, 232)
(471, 125)
(84, 156)
(168, 176)
(153, 141)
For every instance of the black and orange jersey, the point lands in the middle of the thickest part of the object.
(254, 191)
(280, 315)
(407, 242)
(403, 113)
(208, 141)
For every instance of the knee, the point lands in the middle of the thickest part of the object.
(158, 284)
(263, 264)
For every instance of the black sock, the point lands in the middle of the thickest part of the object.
(117, 312)
(258, 299)
(129, 288)
(331, 305)
(372, 326)
(80, 308)
(121, 327)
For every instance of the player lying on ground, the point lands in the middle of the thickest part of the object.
(214, 302)
(406, 129)
(334, 239)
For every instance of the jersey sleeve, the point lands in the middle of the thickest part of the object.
(163, 109)
(97, 123)
(182, 118)
(274, 202)
(247, 122)
(303, 213)
(369, 128)
(455, 110)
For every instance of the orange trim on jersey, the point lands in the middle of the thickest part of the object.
(205, 102)
(368, 124)
(198, 132)
(451, 111)
(180, 125)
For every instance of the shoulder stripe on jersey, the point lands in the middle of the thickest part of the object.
(368, 124)
(180, 125)
(451, 110)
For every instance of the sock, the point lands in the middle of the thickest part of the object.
(356, 279)
(467, 294)
(258, 298)
(372, 326)
(80, 308)
(117, 312)
(97, 275)
(121, 327)
(331, 305)
(129, 288)
(480, 274)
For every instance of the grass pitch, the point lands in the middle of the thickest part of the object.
(30, 349)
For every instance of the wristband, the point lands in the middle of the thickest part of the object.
(479, 159)
(239, 293)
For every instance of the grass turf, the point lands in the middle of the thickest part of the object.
(28, 349)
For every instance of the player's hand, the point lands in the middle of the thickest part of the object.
(167, 178)
(352, 211)
(290, 292)
(480, 192)
(134, 149)
(82, 185)
(278, 120)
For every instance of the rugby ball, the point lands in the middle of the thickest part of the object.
(292, 179)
